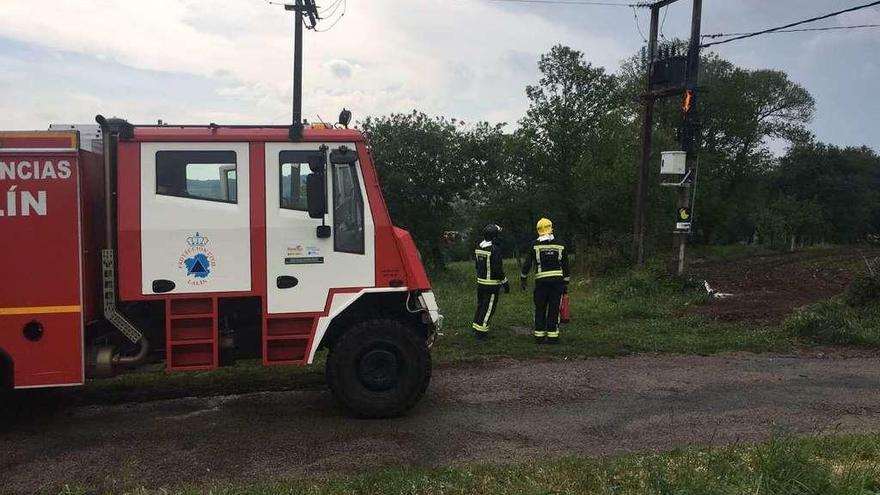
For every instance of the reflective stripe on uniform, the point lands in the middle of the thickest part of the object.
(540, 333)
(489, 281)
(488, 255)
(480, 328)
(553, 335)
(549, 273)
(489, 311)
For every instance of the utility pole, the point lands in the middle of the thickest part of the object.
(641, 217)
(689, 136)
(299, 7)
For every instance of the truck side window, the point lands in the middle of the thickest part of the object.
(293, 172)
(205, 175)
(348, 210)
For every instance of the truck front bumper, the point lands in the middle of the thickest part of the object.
(432, 315)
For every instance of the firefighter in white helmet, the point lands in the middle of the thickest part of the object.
(551, 281)
(490, 280)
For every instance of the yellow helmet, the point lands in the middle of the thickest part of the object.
(545, 226)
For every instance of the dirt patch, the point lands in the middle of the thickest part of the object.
(767, 288)
(494, 412)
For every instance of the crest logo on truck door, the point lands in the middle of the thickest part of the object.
(197, 260)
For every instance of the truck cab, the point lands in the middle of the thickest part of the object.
(202, 244)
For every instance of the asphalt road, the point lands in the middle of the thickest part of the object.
(498, 412)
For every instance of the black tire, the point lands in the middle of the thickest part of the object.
(379, 368)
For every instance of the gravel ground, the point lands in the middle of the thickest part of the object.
(496, 412)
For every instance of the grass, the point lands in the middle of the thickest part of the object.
(835, 322)
(633, 312)
(842, 465)
(639, 311)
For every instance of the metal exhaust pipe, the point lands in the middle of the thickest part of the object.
(120, 360)
(112, 130)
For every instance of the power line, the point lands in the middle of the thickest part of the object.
(638, 25)
(829, 28)
(330, 9)
(575, 2)
(793, 24)
(341, 15)
(663, 23)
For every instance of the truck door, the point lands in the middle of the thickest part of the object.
(195, 218)
(302, 268)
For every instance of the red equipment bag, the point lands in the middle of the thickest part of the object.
(565, 309)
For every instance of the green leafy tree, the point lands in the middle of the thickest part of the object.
(843, 182)
(578, 144)
(429, 167)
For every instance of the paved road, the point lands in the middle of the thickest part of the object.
(499, 411)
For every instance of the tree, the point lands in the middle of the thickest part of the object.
(843, 182)
(427, 166)
(575, 137)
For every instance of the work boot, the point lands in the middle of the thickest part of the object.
(540, 340)
(552, 340)
(481, 336)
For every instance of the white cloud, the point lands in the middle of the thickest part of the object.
(454, 57)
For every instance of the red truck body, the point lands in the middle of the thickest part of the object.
(54, 228)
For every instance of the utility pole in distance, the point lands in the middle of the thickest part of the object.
(299, 7)
(689, 136)
(640, 220)
(641, 217)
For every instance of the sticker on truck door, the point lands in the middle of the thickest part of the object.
(303, 255)
(197, 260)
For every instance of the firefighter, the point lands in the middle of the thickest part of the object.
(551, 281)
(490, 280)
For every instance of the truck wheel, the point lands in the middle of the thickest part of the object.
(379, 368)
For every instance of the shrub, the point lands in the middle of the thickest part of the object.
(864, 291)
(835, 323)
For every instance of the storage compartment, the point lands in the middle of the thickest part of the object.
(191, 333)
(182, 307)
(286, 350)
(192, 329)
(289, 326)
(192, 355)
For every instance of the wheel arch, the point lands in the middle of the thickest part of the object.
(375, 305)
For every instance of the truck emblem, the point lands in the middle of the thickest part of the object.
(197, 259)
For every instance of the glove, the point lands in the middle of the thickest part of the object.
(523, 283)
(506, 287)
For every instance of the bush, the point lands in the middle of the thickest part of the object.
(864, 291)
(835, 323)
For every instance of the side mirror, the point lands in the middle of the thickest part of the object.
(316, 192)
(343, 156)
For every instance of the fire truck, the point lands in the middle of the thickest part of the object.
(126, 244)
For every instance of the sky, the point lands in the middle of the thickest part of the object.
(230, 61)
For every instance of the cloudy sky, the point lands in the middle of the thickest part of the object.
(229, 61)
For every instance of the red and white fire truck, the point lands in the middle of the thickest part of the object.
(123, 244)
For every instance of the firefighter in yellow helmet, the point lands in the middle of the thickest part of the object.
(551, 281)
(490, 280)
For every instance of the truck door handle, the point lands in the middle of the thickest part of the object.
(161, 286)
(286, 282)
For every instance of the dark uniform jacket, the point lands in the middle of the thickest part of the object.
(490, 267)
(550, 259)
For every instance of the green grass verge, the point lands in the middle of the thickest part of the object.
(639, 311)
(844, 465)
(836, 323)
